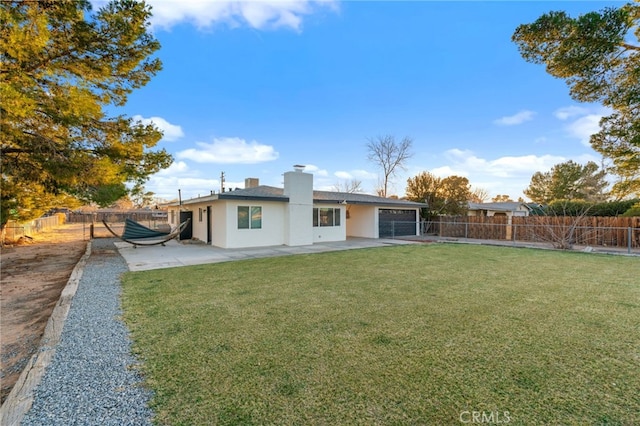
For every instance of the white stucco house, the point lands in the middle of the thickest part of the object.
(507, 208)
(295, 215)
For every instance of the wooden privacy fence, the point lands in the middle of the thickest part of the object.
(622, 232)
(585, 231)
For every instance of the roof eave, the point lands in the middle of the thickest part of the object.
(231, 197)
(370, 203)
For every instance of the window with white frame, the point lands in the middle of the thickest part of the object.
(249, 217)
(326, 216)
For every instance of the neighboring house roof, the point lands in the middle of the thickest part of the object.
(506, 206)
(271, 193)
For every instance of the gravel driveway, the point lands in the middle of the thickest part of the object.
(93, 379)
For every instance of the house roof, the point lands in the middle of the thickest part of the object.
(357, 198)
(262, 192)
(505, 206)
(271, 193)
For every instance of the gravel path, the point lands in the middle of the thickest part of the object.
(92, 379)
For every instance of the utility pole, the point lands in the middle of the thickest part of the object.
(222, 182)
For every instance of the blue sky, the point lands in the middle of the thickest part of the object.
(252, 88)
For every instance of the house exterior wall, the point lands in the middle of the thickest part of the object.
(172, 216)
(282, 223)
(362, 222)
(199, 227)
(519, 211)
(271, 232)
(330, 233)
(490, 213)
(219, 224)
(224, 223)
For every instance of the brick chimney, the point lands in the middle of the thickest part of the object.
(251, 182)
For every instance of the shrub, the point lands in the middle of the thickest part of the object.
(612, 208)
(587, 208)
(633, 210)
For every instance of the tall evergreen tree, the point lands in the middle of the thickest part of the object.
(598, 55)
(568, 181)
(61, 66)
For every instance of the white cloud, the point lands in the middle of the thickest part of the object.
(356, 174)
(466, 158)
(585, 158)
(515, 119)
(569, 112)
(501, 175)
(229, 151)
(504, 167)
(445, 171)
(522, 165)
(171, 132)
(363, 174)
(310, 168)
(166, 183)
(323, 181)
(584, 127)
(175, 167)
(582, 121)
(259, 14)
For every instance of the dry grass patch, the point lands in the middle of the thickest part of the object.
(396, 335)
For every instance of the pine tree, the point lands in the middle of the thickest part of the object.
(598, 55)
(62, 65)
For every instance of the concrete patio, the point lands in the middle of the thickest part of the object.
(175, 253)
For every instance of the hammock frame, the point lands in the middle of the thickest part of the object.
(152, 235)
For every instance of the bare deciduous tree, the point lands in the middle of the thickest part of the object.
(479, 195)
(564, 228)
(349, 186)
(390, 155)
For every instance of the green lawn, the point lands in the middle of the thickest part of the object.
(391, 336)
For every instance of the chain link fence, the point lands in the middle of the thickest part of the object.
(587, 234)
(116, 219)
(94, 228)
(13, 230)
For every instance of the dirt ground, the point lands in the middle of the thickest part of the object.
(33, 274)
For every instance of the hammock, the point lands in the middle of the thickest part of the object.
(139, 235)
